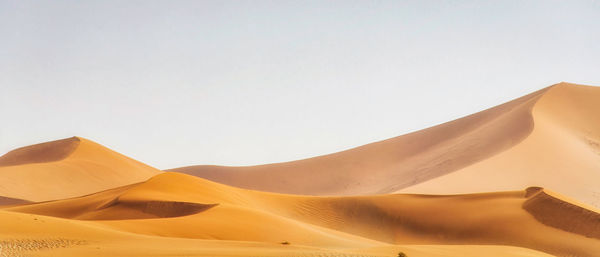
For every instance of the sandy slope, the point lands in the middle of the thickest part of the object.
(535, 140)
(66, 168)
(228, 213)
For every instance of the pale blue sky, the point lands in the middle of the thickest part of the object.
(174, 83)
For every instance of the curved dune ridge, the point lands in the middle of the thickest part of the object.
(392, 164)
(550, 209)
(361, 221)
(528, 141)
(66, 168)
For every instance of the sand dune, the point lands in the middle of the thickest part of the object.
(66, 168)
(529, 141)
(229, 213)
(74, 197)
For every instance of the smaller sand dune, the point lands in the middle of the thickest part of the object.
(555, 211)
(67, 168)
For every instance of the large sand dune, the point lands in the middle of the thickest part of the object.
(66, 168)
(201, 209)
(533, 140)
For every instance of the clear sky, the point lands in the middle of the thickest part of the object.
(175, 83)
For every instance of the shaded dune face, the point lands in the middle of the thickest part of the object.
(392, 164)
(124, 210)
(11, 201)
(564, 215)
(38, 153)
